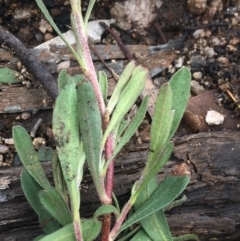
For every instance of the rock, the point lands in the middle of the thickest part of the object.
(214, 118)
(196, 88)
(196, 7)
(3, 149)
(197, 62)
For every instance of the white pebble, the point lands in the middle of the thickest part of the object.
(3, 149)
(214, 118)
(197, 75)
(199, 33)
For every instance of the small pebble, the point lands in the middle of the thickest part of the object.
(25, 115)
(3, 149)
(8, 141)
(214, 118)
(199, 33)
(197, 75)
(196, 88)
(196, 7)
(223, 60)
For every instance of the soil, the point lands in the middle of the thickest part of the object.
(210, 48)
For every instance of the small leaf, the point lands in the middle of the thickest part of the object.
(151, 171)
(28, 156)
(169, 189)
(180, 84)
(9, 76)
(90, 127)
(186, 237)
(31, 189)
(161, 124)
(123, 80)
(156, 226)
(106, 209)
(141, 235)
(50, 20)
(66, 233)
(54, 204)
(39, 237)
(103, 82)
(128, 97)
(131, 129)
(45, 153)
(64, 78)
(91, 228)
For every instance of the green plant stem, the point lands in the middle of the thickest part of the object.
(114, 232)
(83, 49)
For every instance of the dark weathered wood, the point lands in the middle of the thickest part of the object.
(212, 208)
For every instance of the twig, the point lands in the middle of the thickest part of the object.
(33, 65)
(159, 29)
(126, 52)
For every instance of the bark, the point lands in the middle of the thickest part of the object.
(211, 210)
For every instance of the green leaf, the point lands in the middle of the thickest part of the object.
(123, 80)
(9, 76)
(131, 129)
(45, 153)
(89, 10)
(55, 205)
(152, 170)
(28, 156)
(180, 84)
(91, 228)
(31, 189)
(39, 237)
(161, 124)
(64, 78)
(155, 225)
(66, 233)
(141, 235)
(186, 237)
(90, 127)
(128, 97)
(69, 147)
(50, 20)
(169, 189)
(103, 82)
(106, 209)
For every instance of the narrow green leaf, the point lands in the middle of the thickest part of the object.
(152, 170)
(106, 209)
(66, 233)
(161, 124)
(50, 20)
(155, 225)
(90, 127)
(123, 80)
(28, 156)
(103, 82)
(9, 76)
(91, 228)
(69, 147)
(141, 235)
(170, 188)
(31, 189)
(186, 237)
(180, 84)
(89, 10)
(39, 237)
(131, 129)
(128, 97)
(64, 78)
(175, 203)
(55, 205)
